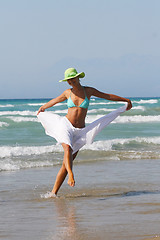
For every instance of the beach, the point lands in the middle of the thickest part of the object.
(111, 200)
(117, 192)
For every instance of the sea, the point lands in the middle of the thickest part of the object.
(24, 144)
(117, 191)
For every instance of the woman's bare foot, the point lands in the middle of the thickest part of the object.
(71, 181)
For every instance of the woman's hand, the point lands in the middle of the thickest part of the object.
(129, 105)
(41, 109)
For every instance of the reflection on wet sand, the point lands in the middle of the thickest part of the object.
(69, 222)
(154, 238)
(118, 215)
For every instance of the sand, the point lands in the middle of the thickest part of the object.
(124, 204)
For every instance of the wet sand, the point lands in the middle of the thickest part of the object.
(117, 200)
(154, 238)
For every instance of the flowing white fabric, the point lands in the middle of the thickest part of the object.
(63, 131)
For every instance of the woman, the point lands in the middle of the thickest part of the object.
(70, 130)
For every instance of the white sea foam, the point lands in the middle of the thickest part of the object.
(15, 151)
(127, 119)
(4, 124)
(23, 119)
(21, 113)
(7, 105)
(28, 113)
(108, 144)
(150, 101)
(100, 110)
(35, 104)
(98, 103)
(142, 101)
(139, 108)
(60, 111)
(137, 119)
(40, 104)
(112, 109)
(91, 118)
(9, 164)
(106, 103)
(49, 195)
(12, 165)
(11, 157)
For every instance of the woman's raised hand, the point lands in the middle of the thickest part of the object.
(41, 109)
(129, 105)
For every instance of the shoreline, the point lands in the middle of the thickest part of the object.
(116, 200)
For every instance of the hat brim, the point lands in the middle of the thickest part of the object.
(80, 75)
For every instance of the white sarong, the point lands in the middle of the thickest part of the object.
(60, 128)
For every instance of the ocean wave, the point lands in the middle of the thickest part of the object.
(41, 104)
(28, 113)
(127, 119)
(35, 104)
(16, 164)
(87, 156)
(60, 111)
(4, 124)
(150, 101)
(21, 113)
(104, 103)
(90, 118)
(139, 108)
(106, 145)
(113, 109)
(141, 101)
(100, 110)
(23, 119)
(6, 105)
(15, 151)
(137, 119)
(17, 157)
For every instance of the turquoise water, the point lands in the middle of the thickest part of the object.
(23, 143)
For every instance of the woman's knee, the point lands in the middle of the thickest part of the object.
(63, 167)
(66, 148)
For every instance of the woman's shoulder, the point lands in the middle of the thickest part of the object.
(90, 90)
(67, 92)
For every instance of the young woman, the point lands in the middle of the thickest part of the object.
(70, 130)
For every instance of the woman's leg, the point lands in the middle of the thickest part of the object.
(62, 175)
(68, 159)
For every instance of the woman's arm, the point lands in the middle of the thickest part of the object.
(52, 102)
(111, 97)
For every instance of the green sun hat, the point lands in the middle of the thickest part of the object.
(72, 73)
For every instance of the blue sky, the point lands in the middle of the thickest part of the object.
(116, 43)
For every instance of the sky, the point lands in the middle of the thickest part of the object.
(115, 42)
